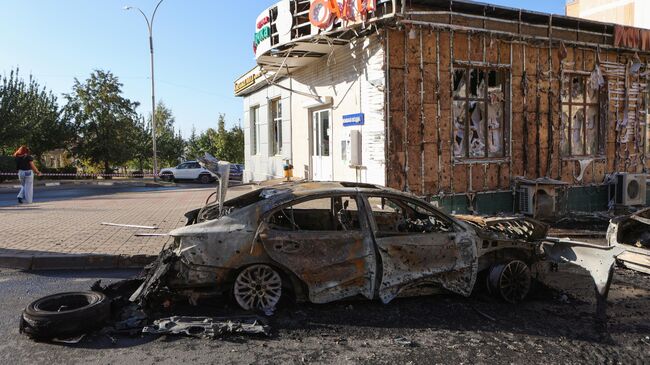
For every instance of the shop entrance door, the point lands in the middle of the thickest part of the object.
(321, 151)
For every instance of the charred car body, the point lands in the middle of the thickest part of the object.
(324, 242)
(632, 233)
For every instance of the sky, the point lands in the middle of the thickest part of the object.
(201, 47)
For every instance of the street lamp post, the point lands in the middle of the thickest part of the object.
(153, 84)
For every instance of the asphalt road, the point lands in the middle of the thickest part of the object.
(64, 192)
(442, 329)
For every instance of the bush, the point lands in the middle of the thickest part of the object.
(64, 170)
(7, 165)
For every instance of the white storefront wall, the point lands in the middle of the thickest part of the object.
(351, 80)
(264, 164)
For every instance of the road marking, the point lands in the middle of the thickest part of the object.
(52, 184)
(106, 184)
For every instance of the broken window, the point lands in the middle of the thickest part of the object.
(479, 112)
(338, 213)
(276, 127)
(580, 117)
(646, 111)
(395, 216)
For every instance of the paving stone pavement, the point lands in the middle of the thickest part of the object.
(73, 227)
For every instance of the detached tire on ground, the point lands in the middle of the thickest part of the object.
(65, 315)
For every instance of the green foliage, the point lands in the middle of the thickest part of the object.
(105, 121)
(226, 145)
(7, 164)
(63, 170)
(30, 115)
(169, 143)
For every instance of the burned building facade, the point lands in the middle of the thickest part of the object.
(476, 107)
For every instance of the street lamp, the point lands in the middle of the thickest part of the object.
(153, 84)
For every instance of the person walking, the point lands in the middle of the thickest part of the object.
(26, 170)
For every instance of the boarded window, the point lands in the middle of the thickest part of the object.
(580, 117)
(479, 112)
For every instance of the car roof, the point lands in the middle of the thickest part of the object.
(306, 188)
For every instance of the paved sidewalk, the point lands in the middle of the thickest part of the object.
(69, 234)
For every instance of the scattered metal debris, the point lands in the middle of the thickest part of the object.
(206, 327)
(128, 226)
(484, 315)
(69, 341)
(405, 342)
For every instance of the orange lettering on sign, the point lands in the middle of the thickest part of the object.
(322, 13)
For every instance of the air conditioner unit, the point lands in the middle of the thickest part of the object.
(630, 189)
(538, 201)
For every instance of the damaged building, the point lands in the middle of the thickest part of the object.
(478, 108)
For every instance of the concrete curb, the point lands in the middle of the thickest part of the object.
(28, 262)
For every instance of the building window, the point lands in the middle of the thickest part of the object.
(580, 117)
(276, 127)
(255, 130)
(479, 112)
(646, 110)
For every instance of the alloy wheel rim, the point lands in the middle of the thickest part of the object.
(514, 282)
(258, 287)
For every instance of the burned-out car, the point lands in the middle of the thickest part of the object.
(326, 241)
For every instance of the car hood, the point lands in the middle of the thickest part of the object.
(517, 228)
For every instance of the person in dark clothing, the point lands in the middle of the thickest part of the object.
(26, 170)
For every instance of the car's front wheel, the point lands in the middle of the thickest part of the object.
(258, 288)
(510, 281)
(205, 179)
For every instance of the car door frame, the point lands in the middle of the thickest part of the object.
(360, 261)
(395, 277)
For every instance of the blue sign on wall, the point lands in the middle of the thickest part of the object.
(354, 119)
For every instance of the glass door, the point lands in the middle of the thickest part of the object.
(321, 142)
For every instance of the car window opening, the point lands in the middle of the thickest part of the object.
(324, 214)
(396, 216)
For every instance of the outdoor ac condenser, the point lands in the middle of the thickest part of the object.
(538, 201)
(630, 189)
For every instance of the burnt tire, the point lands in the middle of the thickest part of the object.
(65, 315)
(509, 281)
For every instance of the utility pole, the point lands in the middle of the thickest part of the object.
(153, 84)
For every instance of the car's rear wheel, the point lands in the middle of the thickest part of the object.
(205, 179)
(258, 288)
(510, 281)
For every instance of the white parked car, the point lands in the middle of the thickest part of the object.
(189, 170)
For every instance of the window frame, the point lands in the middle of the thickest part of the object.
(363, 227)
(255, 130)
(567, 129)
(455, 226)
(505, 132)
(275, 126)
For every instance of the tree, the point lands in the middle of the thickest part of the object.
(227, 145)
(30, 115)
(192, 149)
(105, 121)
(169, 143)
